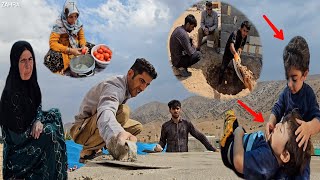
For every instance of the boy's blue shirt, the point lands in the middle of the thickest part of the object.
(304, 100)
(259, 161)
(306, 103)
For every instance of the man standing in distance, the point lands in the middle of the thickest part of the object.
(174, 133)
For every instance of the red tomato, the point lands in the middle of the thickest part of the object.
(83, 51)
(101, 58)
(106, 56)
(95, 53)
(100, 50)
(108, 59)
(104, 49)
(98, 56)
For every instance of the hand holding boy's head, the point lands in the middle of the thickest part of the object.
(294, 158)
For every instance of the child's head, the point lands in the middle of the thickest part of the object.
(284, 145)
(296, 58)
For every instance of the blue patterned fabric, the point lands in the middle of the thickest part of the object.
(43, 158)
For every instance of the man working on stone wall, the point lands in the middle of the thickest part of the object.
(234, 46)
(209, 27)
(175, 132)
(103, 114)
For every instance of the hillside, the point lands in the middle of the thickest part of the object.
(208, 114)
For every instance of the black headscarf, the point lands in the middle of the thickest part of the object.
(20, 98)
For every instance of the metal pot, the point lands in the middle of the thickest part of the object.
(82, 66)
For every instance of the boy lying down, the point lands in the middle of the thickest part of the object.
(253, 156)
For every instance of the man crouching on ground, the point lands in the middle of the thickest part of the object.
(103, 113)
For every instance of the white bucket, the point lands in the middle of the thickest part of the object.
(210, 43)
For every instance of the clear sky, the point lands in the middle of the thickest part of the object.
(139, 28)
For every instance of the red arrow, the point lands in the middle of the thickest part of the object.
(257, 116)
(278, 34)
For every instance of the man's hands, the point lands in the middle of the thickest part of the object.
(37, 128)
(239, 51)
(123, 136)
(206, 31)
(216, 150)
(158, 148)
(123, 146)
(236, 57)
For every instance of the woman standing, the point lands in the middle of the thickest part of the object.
(34, 147)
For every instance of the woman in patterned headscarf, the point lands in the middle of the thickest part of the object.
(66, 40)
(34, 146)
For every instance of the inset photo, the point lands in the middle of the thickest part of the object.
(215, 51)
(70, 52)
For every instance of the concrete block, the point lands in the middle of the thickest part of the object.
(225, 19)
(254, 40)
(229, 10)
(256, 32)
(240, 19)
(215, 5)
(235, 12)
(252, 49)
(259, 50)
(224, 9)
(246, 48)
(228, 28)
(223, 39)
(253, 31)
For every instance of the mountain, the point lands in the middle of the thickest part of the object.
(153, 111)
(208, 114)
